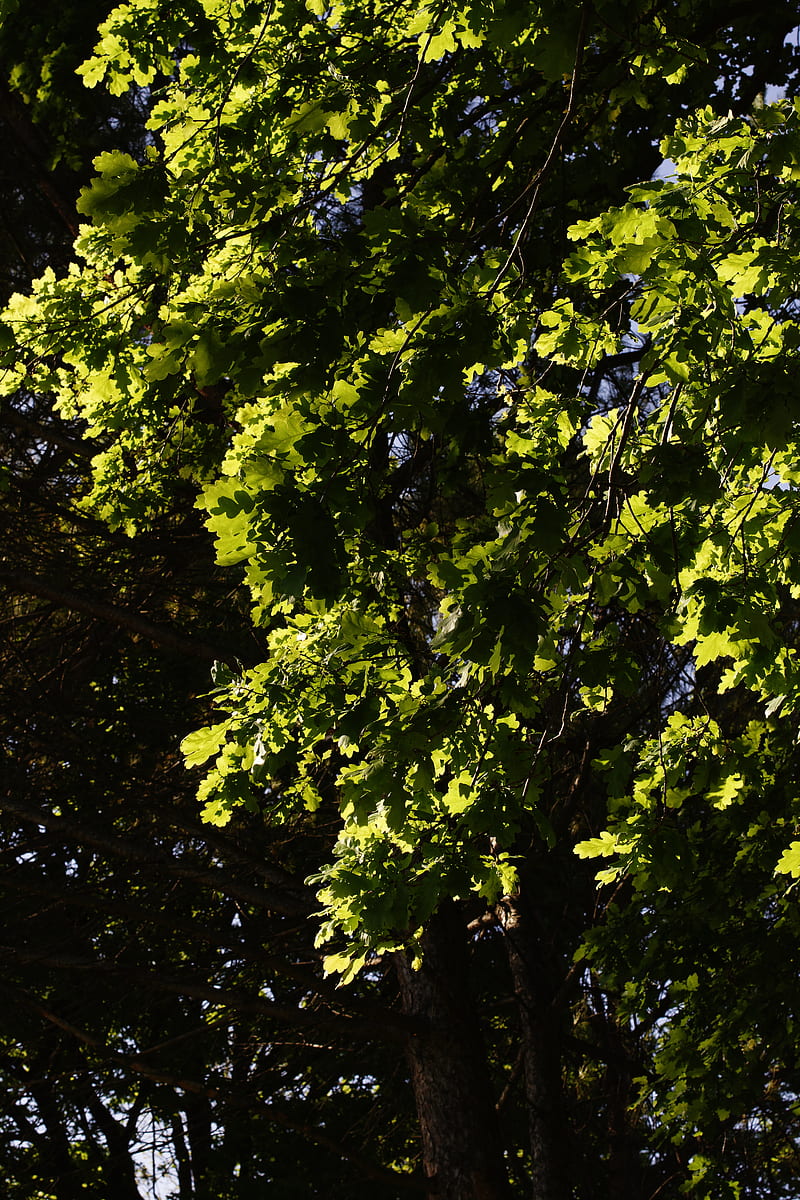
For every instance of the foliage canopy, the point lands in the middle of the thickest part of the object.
(498, 427)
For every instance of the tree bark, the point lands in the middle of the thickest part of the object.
(461, 1148)
(541, 1054)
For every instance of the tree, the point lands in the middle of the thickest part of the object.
(510, 465)
(137, 1036)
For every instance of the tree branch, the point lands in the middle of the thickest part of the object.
(131, 851)
(392, 1027)
(34, 585)
(230, 1097)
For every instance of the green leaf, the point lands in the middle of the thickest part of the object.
(599, 847)
(789, 861)
(202, 744)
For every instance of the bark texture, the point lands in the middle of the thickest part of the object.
(541, 1055)
(462, 1152)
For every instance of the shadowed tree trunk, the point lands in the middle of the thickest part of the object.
(541, 1057)
(462, 1153)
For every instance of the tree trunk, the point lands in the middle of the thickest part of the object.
(541, 1054)
(461, 1148)
(624, 1174)
(57, 1155)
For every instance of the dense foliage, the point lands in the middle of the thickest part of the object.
(470, 331)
